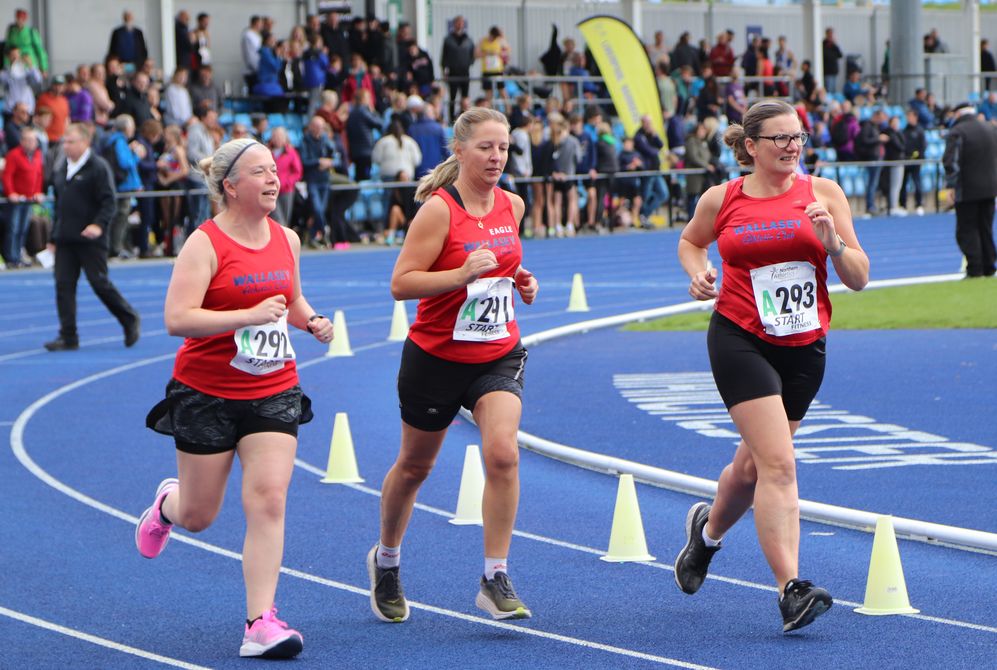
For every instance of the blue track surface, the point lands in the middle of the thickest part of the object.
(82, 466)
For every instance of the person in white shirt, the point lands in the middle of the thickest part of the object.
(178, 107)
(398, 157)
(252, 40)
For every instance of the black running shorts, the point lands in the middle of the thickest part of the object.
(206, 424)
(746, 367)
(431, 390)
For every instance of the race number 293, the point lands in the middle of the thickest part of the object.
(786, 297)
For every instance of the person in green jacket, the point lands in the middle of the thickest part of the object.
(27, 39)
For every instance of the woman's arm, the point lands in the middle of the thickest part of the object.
(411, 278)
(696, 239)
(299, 312)
(832, 218)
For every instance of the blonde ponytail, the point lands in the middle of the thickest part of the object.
(442, 175)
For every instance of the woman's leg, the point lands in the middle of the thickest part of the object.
(767, 433)
(401, 485)
(267, 463)
(497, 415)
(196, 501)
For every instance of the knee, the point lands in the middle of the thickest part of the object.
(414, 473)
(502, 459)
(779, 472)
(266, 501)
(196, 520)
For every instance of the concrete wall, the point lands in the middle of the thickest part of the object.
(79, 30)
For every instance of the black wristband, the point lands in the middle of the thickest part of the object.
(316, 316)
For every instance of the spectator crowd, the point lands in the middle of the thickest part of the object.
(343, 101)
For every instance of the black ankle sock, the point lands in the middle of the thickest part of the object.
(162, 516)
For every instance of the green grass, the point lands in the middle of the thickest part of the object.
(970, 303)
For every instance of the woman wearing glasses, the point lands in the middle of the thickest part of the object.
(774, 229)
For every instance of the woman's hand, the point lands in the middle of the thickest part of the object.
(703, 285)
(322, 329)
(268, 311)
(823, 224)
(527, 285)
(477, 263)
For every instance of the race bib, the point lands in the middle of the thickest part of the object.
(262, 349)
(486, 311)
(786, 297)
(493, 63)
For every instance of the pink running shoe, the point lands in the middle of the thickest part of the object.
(269, 637)
(151, 534)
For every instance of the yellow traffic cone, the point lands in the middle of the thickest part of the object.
(340, 344)
(472, 488)
(626, 540)
(399, 323)
(886, 589)
(342, 467)
(577, 301)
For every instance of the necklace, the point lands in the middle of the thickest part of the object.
(474, 216)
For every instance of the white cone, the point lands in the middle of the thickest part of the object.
(340, 344)
(399, 323)
(472, 488)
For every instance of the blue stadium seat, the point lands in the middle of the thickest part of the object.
(294, 135)
(276, 119)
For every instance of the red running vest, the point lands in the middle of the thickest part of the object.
(437, 315)
(753, 233)
(245, 277)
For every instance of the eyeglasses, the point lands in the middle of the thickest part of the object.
(782, 141)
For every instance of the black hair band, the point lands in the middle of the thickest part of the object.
(235, 160)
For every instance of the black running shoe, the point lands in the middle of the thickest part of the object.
(694, 559)
(801, 603)
(387, 598)
(498, 598)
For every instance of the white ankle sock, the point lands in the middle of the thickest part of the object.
(710, 542)
(493, 565)
(388, 557)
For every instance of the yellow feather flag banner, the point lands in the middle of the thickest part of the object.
(626, 70)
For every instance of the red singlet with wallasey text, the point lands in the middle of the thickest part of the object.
(219, 364)
(774, 282)
(475, 323)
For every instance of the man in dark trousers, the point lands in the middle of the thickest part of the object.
(84, 207)
(456, 61)
(970, 162)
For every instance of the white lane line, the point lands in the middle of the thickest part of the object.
(651, 564)
(20, 452)
(93, 639)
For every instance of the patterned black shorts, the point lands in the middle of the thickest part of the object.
(206, 424)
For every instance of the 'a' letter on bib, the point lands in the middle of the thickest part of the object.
(486, 311)
(260, 350)
(786, 297)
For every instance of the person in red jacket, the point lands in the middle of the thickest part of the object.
(775, 229)
(234, 293)
(23, 178)
(462, 260)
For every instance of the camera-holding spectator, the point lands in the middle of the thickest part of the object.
(20, 78)
(23, 181)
